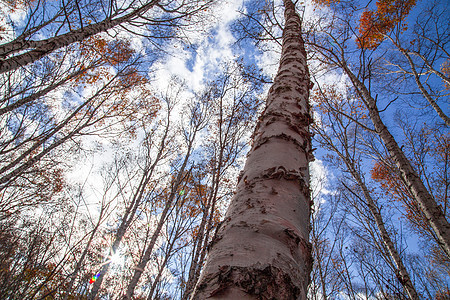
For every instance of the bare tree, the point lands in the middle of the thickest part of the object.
(138, 197)
(25, 49)
(335, 54)
(198, 118)
(341, 138)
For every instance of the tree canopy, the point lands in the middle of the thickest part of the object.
(128, 128)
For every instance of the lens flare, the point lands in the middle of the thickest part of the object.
(94, 278)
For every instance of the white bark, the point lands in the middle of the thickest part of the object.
(401, 271)
(261, 250)
(130, 212)
(433, 213)
(39, 49)
(139, 269)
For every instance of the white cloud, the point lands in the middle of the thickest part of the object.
(319, 181)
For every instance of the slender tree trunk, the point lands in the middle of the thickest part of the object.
(422, 89)
(167, 255)
(430, 67)
(139, 269)
(45, 47)
(261, 250)
(207, 223)
(401, 271)
(196, 254)
(80, 261)
(433, 213)
(127, 220)
(130, 213)
(204, 246)
(42, 92)
(21, 168)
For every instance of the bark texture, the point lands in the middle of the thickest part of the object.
(261, 249)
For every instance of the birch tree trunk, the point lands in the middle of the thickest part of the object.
(401, 271)
(39, 49)
(23, 162)
(433, 213)
(389, 246)
(41, 93)
(339, 139)
(416, 76)
(261, 250)
(422, 89)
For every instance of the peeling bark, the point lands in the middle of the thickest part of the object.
(261, 250)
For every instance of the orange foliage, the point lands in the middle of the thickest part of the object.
(193, 201)
(443, 295)
(112, 52)
(325, 2)
(328, 99)
(129, 96)
(375, 24)
(18, 4)
(445, 69)
(392, 185)
(103, 52)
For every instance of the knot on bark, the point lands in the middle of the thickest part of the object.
(281, 172)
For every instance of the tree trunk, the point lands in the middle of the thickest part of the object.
(196, 254)
(131, 212)
(80, 261)
(433, 213)
(400, 271)
(21, 168)
(43, 92)
(45, 47)
(424, 92)
(205, 229)
(139, 269)
(167, 255)
(261, 250)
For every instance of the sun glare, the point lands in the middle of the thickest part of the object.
(117, 259)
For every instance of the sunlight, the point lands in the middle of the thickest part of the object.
(117, 259)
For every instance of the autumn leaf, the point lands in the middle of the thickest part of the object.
(374, 25)
(445, 69)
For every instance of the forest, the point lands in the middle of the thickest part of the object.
(224, 149)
